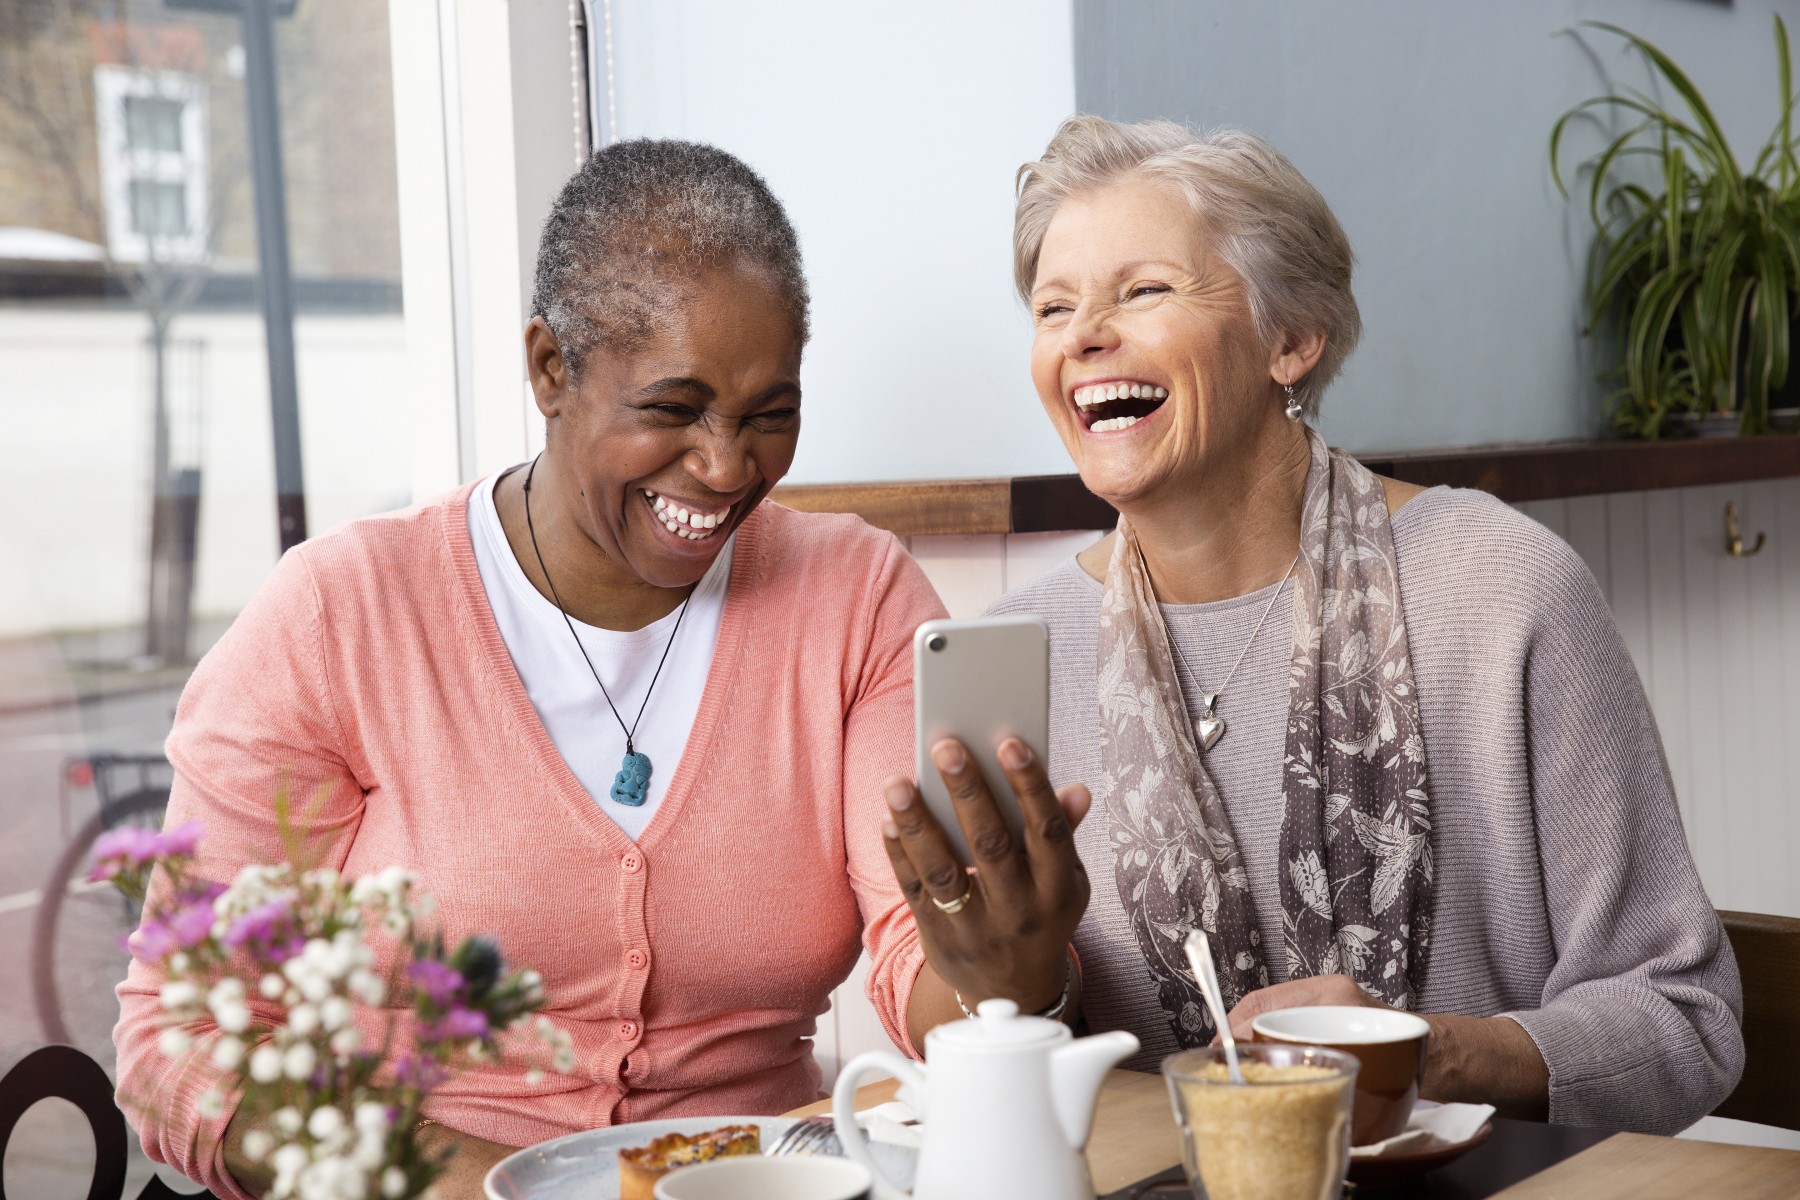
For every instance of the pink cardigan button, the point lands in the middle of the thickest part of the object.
(633, 862)
(636, 960)
(628, 1030)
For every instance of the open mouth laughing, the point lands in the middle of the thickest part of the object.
(1117, 404)
(685, 521)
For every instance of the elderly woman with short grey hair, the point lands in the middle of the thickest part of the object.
(1383, 743)
(609, 706)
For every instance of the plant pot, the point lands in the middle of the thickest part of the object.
(1784, 420)
(1707, 425)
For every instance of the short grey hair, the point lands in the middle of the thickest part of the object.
(1261, 216)
(639, 219)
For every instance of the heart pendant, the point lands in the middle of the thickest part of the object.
(1209, 730)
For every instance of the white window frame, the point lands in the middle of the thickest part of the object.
(121, 165)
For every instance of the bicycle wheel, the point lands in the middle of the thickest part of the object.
(78, 953)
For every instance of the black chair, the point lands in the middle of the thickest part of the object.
(62, 1072)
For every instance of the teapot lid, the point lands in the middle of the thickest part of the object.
(997, 1025)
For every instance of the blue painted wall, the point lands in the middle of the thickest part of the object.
(1425, 124)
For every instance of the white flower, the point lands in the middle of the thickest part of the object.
(299, 1061)
(288, 1162)
(346, 1041)
(179, 962)
(324, 1122)
(393, 1183)
(371, 1116)
(370, 1152)
(257, 1144)
(534, 1076)
(265, 1064)
(322, 878)
(367, 986)
(271, 986)
(334, 1014)
(211, 1104)
(174, 1042)
(366, 890)
(396, 923)
(288, 1120)
(234, 1018)
(563, 1060)
(303, 1019)
(227, 1053)
(179, 994)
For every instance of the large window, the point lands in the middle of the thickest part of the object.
(137, 432)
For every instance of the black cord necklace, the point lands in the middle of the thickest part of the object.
(632, 784)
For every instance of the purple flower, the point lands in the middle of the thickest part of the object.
(153, 941)
(423, 1073)
(191, 923)
(439, 982)
(134, 846)
(459, 1024)
(180, 841)
(117, 849)
(261, 924)
(269, 931)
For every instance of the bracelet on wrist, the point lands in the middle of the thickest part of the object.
(1056, 1010)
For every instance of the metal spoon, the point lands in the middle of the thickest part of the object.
(1199, 953)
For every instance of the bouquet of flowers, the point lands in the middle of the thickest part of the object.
(280, 961)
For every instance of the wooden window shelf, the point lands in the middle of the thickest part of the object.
(1053, 503)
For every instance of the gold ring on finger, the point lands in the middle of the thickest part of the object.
(956, 905)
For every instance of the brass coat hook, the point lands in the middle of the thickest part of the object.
(1734, 541)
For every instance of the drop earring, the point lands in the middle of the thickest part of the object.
(1294, 408)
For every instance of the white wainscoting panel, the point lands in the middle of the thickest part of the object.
(1716, 640)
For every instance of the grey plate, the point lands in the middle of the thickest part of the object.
(585, 1166)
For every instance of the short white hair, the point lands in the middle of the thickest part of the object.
(1259, 214)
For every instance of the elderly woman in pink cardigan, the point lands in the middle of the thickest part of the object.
(608, 705)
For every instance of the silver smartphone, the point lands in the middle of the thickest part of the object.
(980, 681)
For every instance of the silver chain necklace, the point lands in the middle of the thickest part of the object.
(1209, 728)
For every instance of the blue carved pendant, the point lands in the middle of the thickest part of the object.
(632, 784)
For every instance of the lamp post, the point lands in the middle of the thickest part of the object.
(269, 188)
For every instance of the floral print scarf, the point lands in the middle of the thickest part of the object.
(1355, 854)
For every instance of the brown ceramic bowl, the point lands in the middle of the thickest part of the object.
(1388, 1043)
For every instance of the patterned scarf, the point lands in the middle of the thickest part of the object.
(1356, 822)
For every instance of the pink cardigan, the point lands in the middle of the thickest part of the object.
(689, 967)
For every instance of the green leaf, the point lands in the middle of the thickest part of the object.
(1678, 79)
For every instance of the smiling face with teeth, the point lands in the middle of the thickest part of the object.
(653, 457)
(1146, 356)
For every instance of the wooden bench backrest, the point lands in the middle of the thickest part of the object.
(1768, 957)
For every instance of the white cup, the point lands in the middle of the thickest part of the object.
(753, 1177)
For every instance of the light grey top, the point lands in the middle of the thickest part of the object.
(1565, 896)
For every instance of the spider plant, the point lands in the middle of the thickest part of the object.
(1696, 259)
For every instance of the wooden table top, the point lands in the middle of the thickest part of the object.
(1135, 1137)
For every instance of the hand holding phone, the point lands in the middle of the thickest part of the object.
(982, 846)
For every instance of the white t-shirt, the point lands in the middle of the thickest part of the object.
(562, 689)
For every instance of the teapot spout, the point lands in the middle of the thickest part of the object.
(1076, 1072)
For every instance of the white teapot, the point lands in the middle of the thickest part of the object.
(1005, 1103)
